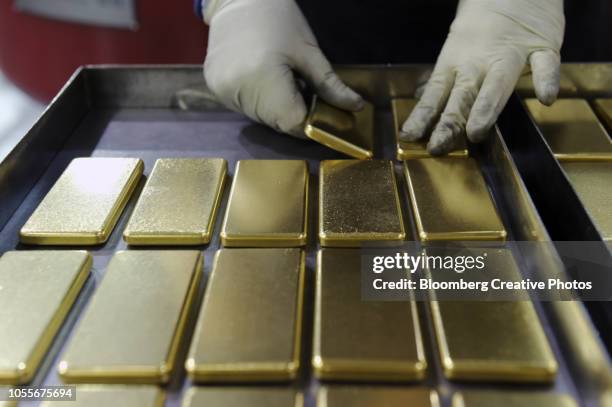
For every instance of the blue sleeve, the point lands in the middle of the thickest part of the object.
(198, 6)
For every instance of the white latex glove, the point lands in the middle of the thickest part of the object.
(254, 48)
(488, 45)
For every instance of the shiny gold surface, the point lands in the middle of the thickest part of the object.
(593, 184)
(512, 399)
(242, 397)
(37, 290)
(450, 200)
(85, 203)
(492, 341)
(249, 328)
(525, 88)
(179, 202)
(115, 395)
(572, 130)
(83, 206)
(267, 205)
(401, 109)
(604, 108)
(351, 133)
(360, 396)
(361, 340)
(358, 202)
(132, 328)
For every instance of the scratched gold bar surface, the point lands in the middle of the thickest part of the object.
(249, 327)
(179, 202)
(364, 396)
(134, 323)
(450, 200)
(401, 109)
(358, 203)
(351, 133)
(361, 340)
(604, 108)
(113, 395)
(492, 340)
(592, 181)
(475, 398)
(85, 203)
(267, 205)
(572, 130)
(245, 396)
(37, 290)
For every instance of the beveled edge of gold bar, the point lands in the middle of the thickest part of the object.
(181, 239)
(604, 113)
(254, 372)
(491, 371)
(336, 143)
(332, 239)
(566, 400)
(142, 374)
(24, 374)
(321, 395)
(427, 237)
(402, 153)
(95, 238)
(583, 157)
(187, 400)
(276, 240)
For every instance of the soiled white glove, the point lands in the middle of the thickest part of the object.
(488, 45)
(254, 48)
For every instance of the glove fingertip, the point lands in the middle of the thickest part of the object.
(547, 93)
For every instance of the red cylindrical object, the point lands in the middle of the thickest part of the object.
(39, 54)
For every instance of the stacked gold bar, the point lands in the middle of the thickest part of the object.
(267, 205)
(85, 203)
(247, 396)
(604, 108)
(37, 290)
(116, 395)
(364, 396)
(490, 398)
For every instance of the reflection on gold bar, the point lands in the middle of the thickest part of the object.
(492, 341)
(267, 205)
(360, 396)
(593, 184)
(361, 340)
(351, 133)
(249, 327)
(450, 200)
(474, 398)
(245, 396)
(358, 202)
(37, 290)
(115, 395)
(85, 203)
(179, 202)
(418, 149)
(131, 331)
(604, 108)
(572, 130)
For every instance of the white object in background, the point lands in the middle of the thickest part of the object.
(18, 112)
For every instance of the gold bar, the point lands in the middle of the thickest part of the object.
(593, 184)
(604, 108)
(132, 329)
(493, 398)
(450, 200)
(571, 130)
(365, 396)
(351, 133)
(249, 327)
(85, 203)
(361, 340)
(492, 340)
(37, 290)
(401, 109)
(525, 88)
(358, 202)
(179, 203)
(115, 395)
(268, 205)
(245, 396)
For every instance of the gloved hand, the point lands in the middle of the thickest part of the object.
(254, 48)
(488, 45)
